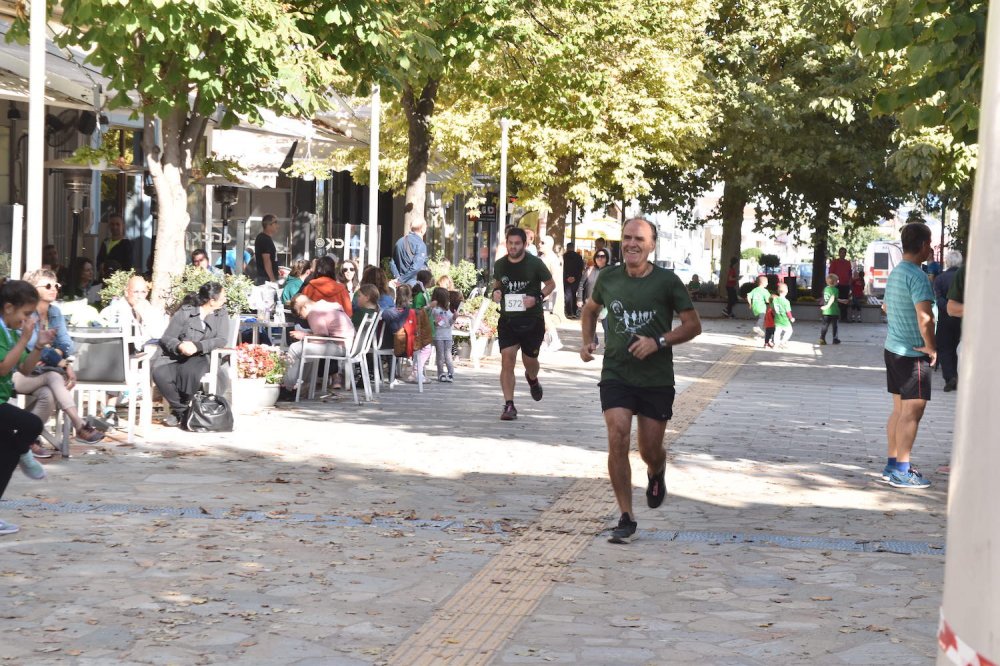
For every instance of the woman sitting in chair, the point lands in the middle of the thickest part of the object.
(51, 382)
(200, 326)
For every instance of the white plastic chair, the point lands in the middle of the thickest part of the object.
(378, 353)
(104, 365)
(359, 348)
(477, 343)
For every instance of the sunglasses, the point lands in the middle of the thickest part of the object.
(348, 270)
(50, 285)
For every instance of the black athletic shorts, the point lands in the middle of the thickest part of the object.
(908, 376)
(656, 402)
(528, 332)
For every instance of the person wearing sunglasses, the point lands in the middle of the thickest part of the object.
(53, 379)
(348, 276)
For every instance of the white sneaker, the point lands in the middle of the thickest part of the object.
(442, 377)
(31, 467)
(8, 528)
(757, 330)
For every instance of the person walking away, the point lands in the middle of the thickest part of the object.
(520, 282)
(783, 317)
(949, 329)
(857, 295)
(422, 301)
(443, 317)
(18, 428)
(757, 300)
(409, 254)
(769, 326)
(910, 353)
(637, 377)
(116, 247)
(830, 309)
(732, 287)
(572, 274)
(265, 252)
(842, 268)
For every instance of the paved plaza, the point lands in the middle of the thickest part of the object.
(419, 529)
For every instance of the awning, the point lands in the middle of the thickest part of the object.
(68, 81)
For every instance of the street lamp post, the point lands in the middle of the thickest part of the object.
(502, 203)
(36, 138)
(373, 158)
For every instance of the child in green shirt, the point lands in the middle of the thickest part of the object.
(830, 308)
(18, 428)
(757, 299)
(783, 317)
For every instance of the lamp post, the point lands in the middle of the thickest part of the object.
(373, 157)
(36, 136)
(502, 203)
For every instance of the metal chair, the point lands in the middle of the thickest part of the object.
(104, 364)
(378, 353)
(359, 349)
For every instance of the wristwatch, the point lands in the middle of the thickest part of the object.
(661, 342)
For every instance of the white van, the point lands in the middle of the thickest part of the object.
(880, 258)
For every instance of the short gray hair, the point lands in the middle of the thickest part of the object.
(952, 259)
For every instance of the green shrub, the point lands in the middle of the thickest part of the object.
(190, 281)
(114, 286)
(752, 254)
(463, 274)
(490, 320)
(770, 261)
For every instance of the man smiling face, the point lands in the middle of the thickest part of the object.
(638, 243)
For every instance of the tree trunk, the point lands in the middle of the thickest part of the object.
(419, 111)
(734, 200)
(555, 224)
(169, 166)
(821, 235)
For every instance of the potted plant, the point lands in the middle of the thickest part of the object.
(259, 369)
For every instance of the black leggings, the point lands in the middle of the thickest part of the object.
(731, 297)
(827, 321)
(18, 429)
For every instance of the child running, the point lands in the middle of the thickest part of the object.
(443, 318)
(783, 317)
(769, 325)
(18, 428)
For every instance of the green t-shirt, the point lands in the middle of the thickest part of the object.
(758, 300)
(357, 314)
(782, 310)
(523, 277)
(956, 292)
(8, 339)
(639, 306)
(834, 309)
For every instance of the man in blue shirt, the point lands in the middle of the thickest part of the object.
(910, 353)
(410, 254)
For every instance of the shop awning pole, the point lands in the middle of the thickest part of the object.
(373, 249)
(36, 138)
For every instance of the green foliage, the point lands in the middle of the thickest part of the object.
(463, 274)
(769, 262)
(114, 286)
(856, 240)
(752, 254)
(191, 280)
(491, 319)
(4, 264)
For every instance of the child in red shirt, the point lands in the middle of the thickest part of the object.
(769, 326)
(857, 295)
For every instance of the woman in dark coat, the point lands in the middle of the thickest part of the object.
(200, 326)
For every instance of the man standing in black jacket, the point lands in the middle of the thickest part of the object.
(572, 274)
(115, 247)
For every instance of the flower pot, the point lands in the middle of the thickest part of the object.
(253, 395)
(464, 349)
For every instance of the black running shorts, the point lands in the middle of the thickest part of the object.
(656, 402)
(527, 331)
(908, 376)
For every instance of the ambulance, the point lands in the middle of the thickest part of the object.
(880, 258)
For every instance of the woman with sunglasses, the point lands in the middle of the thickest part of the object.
(598, 263)
(53, 379)
(348, 276)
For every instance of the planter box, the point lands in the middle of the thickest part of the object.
(253, 395)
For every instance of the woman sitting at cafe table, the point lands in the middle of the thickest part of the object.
(198, 327)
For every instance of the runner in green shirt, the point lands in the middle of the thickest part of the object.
(521, 281)
(637, 378)
(783, 317)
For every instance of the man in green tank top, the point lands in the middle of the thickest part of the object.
(637, 378)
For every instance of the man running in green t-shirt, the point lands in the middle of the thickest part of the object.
(520, 282)
(637, 377)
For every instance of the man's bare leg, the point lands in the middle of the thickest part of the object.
(890, 426)
(651, 448)
(619, 423)
(508, 359)
(907, 425)
(531, 367)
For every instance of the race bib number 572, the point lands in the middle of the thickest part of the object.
(514, 303)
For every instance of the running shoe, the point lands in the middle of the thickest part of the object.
(656, 491)
(509, 413)
(889, 469)
(908, 479)
(626, 530)
(757, 330)
(40, 451)
(821, 341)
(31, 467)
(8, 528)
(836, 341)
(442, 377)
(536, 388)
